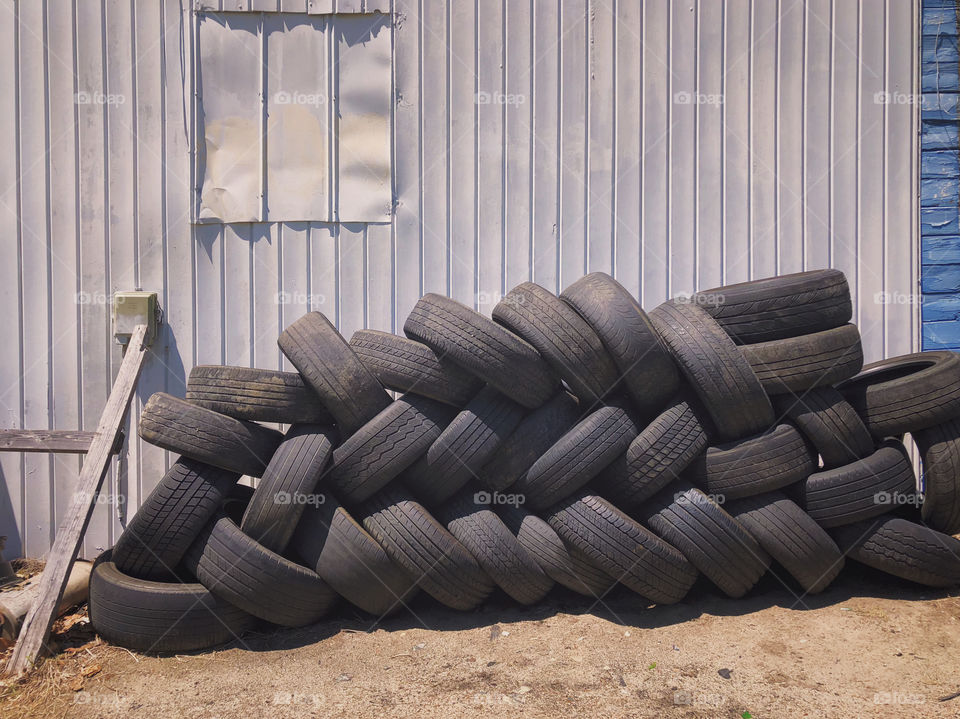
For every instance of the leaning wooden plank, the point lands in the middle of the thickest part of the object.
(36, 628)
(45, 440)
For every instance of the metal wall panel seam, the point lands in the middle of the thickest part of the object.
(668, 139)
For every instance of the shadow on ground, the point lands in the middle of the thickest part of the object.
(620, 606)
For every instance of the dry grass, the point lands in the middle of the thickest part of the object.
(46, 691)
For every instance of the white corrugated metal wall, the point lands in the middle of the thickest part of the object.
(676, 144)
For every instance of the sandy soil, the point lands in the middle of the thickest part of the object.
(869, 646)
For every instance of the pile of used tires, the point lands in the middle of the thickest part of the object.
(574, 440)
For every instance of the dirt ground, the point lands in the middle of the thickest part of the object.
(869, 646)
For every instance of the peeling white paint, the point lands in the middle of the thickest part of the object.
(326, 84)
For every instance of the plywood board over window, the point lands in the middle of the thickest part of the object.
(294, 117)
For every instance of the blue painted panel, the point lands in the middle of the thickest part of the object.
(939, 169)
(941, 308)
(940, 164)
(942, 77)
(938, 48)
(939, 192)
(941, 335)
(940, 250)
(940, 135)
(939, 106)
(939, 20)
(940, 278)
(939, 221)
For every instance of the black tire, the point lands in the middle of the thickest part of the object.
(713, 541)
(940, 449)
(562, 337)
(386, 445)
(649, 374)
(904, 549)
(496, 549)
(831, 424)
(578, 456)
(171, 518)
(235, 503)
(624, 549)
(906, 393)
(777, 458)
(861, 490)
(237, 569)
(423, 547)
(535, 434)
(563, 563)
(345, 386)
(656, 457)
(404, 365)
(151, 616)
(287, 483)
(464, 447)
(779, 307)
(258, 395)
(206, 436)
(482, 347)
(347, 558)
(715, 367)
(800, 363)
(791, 537)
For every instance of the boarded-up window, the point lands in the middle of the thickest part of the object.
(294, 118)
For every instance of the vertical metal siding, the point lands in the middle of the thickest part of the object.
(600, 166)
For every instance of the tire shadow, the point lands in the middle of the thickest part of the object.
(620, 606)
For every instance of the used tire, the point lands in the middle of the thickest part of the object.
(777, 458)
(799, 363)
(861, 490)
(347, 558)
(791, 537)
(940, 449)
(656, 457)
(154, 616)
(386, 445)
(904, 549)
(423, 547)
(207, 436)
(462, 449)
(535, 434)
(624, 549)
(578, 456)
(779, 307)
(496, 549)
(258, 395)
(171, 518)
(906, 393)
(715, 368)
(562, 562)
(713, 541)
(289, 479)
(562, 338)
(482, 347)
(404, 365)
(345, 386)
(831, 424)
(237, 569)
(649, 374)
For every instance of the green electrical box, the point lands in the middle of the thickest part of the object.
(135, 308)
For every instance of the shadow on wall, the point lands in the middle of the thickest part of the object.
(8, 522)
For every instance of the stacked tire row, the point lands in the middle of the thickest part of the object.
(572, 440)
